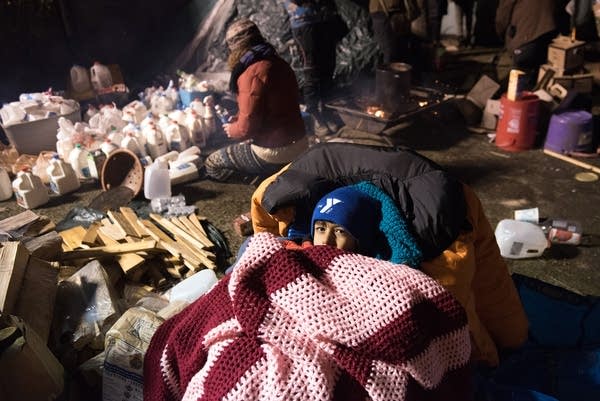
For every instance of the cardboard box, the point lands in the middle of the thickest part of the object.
(28, 287)
(564, 54)
(29, 370)
(581, 80)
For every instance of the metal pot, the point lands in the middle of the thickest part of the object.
(392, 85)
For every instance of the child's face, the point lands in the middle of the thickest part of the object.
(331, 234)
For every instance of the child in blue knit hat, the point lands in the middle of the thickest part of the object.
(348, 219)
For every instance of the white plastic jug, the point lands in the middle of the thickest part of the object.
(520, 239)
(100, 76)
(108, 147)
(62, 177)
(156, 181)
(6, 191)
(116, 137)
(78, 160)
(194, 125)
(29, 190)
(155, 141)
(177, 137)
(80, 79)
(185, 170)
(192, 288)
(132, 143)
(137, 109)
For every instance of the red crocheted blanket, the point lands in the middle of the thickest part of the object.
(313, 324)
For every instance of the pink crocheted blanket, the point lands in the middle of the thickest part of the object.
(313, 324)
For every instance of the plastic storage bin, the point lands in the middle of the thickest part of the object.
(187, 97)
(33, 137)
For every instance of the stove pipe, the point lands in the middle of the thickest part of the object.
(392, 85)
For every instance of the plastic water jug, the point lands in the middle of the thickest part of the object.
(62, 177)
(29, 190)
(194, 125)
(107, 146)
(177, 137)
(137, 110)
(156, 181)
(155, 141)
(100, 76)
(185, 170)
(192, 288)
(80, 79)
(132, 143)
(520, 239)
(96, 159)
(116, 137)
(78, 160)
(5, 185)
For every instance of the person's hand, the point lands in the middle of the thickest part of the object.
(227, 128)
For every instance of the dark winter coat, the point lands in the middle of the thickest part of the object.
(431, 199)
(522, 21)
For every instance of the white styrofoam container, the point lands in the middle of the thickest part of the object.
(33, 137)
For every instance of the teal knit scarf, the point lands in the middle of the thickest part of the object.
(398, 244)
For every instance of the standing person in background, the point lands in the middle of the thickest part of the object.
(316, 28)
(435, 9)
(465, 13)
(269, 121)
(528, 27)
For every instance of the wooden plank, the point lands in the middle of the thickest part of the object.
(122, 222)
(91, 234)
(129, 261)
(112, 230)
(15, 222)
(192, 228)
(573, 161)
(119, 249)
(13, 263)
(193, 218)
(155, 232)
(73, 236)
(198, 253)
(41, 226)
(175, 230)
(133, 220)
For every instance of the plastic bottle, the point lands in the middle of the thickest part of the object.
(100, 76)
(156, 181)
(520, 239)
(29, 190)
(190, 289)
(78, 160)
(5, 185)
(562, 231)
(62, 176)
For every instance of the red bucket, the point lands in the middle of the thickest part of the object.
(517, 125)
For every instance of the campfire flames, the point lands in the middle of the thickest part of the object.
(378, 112)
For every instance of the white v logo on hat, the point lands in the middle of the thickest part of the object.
(329, 204)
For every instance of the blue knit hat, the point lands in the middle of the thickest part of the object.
(352, 209)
